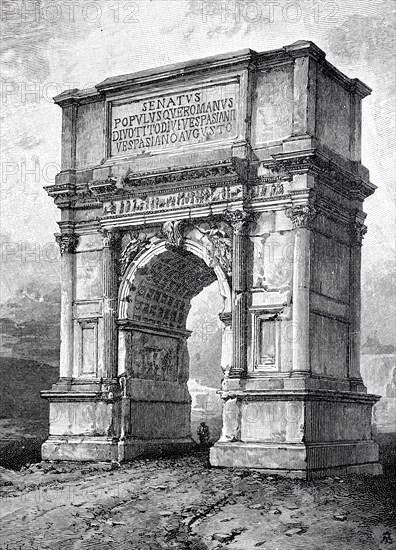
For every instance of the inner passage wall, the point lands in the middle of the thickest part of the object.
(205, 354)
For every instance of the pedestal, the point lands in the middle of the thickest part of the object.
(297, 432)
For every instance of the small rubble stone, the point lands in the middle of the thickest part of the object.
(295, 531)
(222, 537)
(291, 505)
(189, 521)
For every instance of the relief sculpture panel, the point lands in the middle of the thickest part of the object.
(155, 357)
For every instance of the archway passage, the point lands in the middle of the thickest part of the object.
(205, 361)
(153, 354)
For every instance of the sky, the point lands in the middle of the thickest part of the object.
(50, 46)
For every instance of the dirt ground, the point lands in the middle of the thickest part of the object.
(181, 503)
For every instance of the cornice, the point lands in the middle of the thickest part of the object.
(143, 183)
(232, 171)
(168, 72)
(225, 168)
(352, 85)
(76, 96)
(328, 171)
(305, 48)
(306, 395)
(243, 59)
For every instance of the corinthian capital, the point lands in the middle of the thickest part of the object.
(110, 237)
(238, 219)
(358, 231)
(67, 242)
(302, 215)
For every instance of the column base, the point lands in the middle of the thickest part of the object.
(105, 449)
(297, 432)
(299, 460)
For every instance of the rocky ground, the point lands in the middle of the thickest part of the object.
(181, 503)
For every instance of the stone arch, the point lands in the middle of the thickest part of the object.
(145, 257)
(153, 359)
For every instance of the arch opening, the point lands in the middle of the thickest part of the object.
(205, 359)
(153, 349)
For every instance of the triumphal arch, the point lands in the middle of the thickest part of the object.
(242, 168)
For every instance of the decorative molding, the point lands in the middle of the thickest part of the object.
(67, 242)
(302, 216)
(221, 169)
(206, 184)
(342, 179)
(103, 187)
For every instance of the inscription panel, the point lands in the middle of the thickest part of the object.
(173, 120)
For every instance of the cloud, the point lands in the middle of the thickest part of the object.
(29, 142)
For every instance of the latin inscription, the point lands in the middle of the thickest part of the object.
(175, 120)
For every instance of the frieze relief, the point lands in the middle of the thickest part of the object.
(267, 190)
(194, 197)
